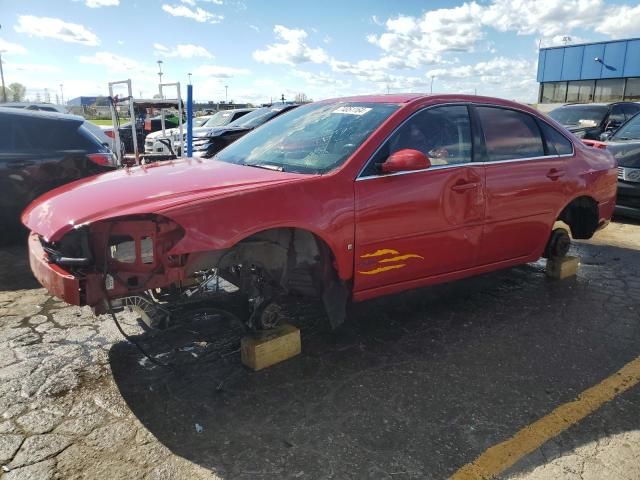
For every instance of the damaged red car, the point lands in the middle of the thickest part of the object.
(343, 200)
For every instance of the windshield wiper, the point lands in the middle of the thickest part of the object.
(277, 168)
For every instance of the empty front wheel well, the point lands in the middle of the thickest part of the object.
(582, 217)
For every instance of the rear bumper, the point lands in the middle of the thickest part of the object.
(57, 281)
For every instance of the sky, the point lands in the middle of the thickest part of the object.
(261, 50)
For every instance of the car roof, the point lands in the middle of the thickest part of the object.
(41, 114)
(596, 104)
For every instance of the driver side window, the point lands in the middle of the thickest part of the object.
(442, 133)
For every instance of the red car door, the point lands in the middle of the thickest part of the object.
(417, 224)
(525, 184)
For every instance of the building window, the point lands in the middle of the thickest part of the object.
(632, 92)
(554, 92)
(609, 90)
(580, 91)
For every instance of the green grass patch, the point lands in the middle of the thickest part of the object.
(101, 122)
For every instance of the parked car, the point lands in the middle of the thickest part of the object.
(157, 143)
(624, 144)
(590, 120)
(341, 199)
(209, 140)
(44, 107)
(40, 151)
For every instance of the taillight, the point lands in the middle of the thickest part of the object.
(103, 159)
(109, 133)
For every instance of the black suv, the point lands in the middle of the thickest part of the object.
(590, 120)
(209, 141)
(40, 151)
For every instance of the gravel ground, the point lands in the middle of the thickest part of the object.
(416, 385)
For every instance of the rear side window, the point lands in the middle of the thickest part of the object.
(510, 134)
(557, 144)
(630, 110)
(36, 135)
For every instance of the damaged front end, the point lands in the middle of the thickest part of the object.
(126, 263)
(96, 263)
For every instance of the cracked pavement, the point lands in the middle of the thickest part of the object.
(417, 385)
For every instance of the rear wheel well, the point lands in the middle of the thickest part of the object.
(582, 217)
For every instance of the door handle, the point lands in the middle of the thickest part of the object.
(555, 174)
(463, 187)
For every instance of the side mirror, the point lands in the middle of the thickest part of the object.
(404, 161)
(605, 136)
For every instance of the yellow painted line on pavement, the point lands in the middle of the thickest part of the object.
(500, 457)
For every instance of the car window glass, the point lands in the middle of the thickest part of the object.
(510, 134)
(441, 133)
(557, 143)
(36, 134)
(630, 110)
(616, 117)
(6, 137)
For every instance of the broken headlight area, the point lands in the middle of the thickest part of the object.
(119, 257)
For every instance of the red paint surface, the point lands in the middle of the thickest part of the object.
(443, 223)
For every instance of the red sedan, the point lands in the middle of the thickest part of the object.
(344, 199)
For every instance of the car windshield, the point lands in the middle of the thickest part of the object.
(200, 121)
(256, 118)
(580, 115)
(628, 131)
(314, 138)
(219, 119)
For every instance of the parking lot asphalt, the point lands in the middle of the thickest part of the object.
(418, 385)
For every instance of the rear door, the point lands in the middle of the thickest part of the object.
(424, 223)
(525, 184)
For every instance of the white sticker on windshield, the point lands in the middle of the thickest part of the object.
(352, 110)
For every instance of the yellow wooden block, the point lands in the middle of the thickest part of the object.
(268, 347)
(562, 268)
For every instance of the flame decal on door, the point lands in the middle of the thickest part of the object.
(391, 256)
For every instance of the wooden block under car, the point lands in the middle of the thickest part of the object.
(562, 268)
(268, 347)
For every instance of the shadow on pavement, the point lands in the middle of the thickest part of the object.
(417, 385)
(15, 273)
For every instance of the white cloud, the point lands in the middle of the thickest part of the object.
(500, 76)
(182, 50)
(255, 27)
(48, 27)
(292, 50)
(116, 63)
(11, 48)
(548, 17)
(101, 3)
(198, 14)
(217, 71)
(419, 40)
(620, 21)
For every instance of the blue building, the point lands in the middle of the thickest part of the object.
(590, 72)
(82, 101)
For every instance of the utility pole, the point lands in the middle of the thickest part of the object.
(431, 89)
(282, 98)
(62, 93)
(226, 94)
(4, 90)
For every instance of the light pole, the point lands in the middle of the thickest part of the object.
(159, 74)
(62, 94)
(431, 89)
(226, 94)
